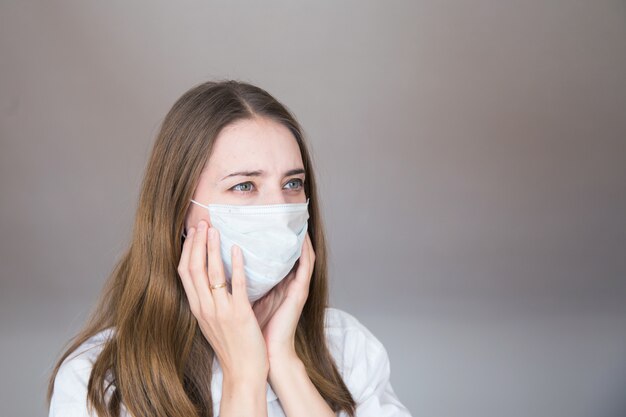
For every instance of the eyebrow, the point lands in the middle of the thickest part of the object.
(259, 173)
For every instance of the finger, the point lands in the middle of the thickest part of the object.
(216, 268)
(240, 293)
(303, 273)
(307, 273)
(311, 252)
(183, 271)
(198, 268)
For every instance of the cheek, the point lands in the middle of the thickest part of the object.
(195, 214)
(296, 197)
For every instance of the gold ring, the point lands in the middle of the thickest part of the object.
(216, 286)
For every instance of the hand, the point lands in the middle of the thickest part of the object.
(226, 319)
(279, 310)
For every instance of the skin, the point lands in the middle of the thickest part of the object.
(254, 343)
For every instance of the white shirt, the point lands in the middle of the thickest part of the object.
(360, 357)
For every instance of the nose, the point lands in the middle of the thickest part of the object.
(273, 196)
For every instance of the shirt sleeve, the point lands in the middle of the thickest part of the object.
(367, 374)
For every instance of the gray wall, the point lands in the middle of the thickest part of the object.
(472, 159)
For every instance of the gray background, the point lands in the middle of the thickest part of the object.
(472, 160)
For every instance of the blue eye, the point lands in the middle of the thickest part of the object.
(298, 183)
(246, 187)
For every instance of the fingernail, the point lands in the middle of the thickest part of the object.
(202, 225)
(211, 233)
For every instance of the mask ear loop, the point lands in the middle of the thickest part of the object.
(184, 233)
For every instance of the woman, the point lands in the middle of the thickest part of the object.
(219, 306)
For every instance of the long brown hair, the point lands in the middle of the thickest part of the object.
(158, 359)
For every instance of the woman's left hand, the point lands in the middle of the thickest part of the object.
(278, 312)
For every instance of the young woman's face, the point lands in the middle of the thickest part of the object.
(254, 161)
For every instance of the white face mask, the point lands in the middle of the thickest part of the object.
(270, 238)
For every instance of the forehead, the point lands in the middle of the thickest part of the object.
(254, 144)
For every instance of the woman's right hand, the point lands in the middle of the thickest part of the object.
(226, 319)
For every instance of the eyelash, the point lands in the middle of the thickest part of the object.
(298, 180)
